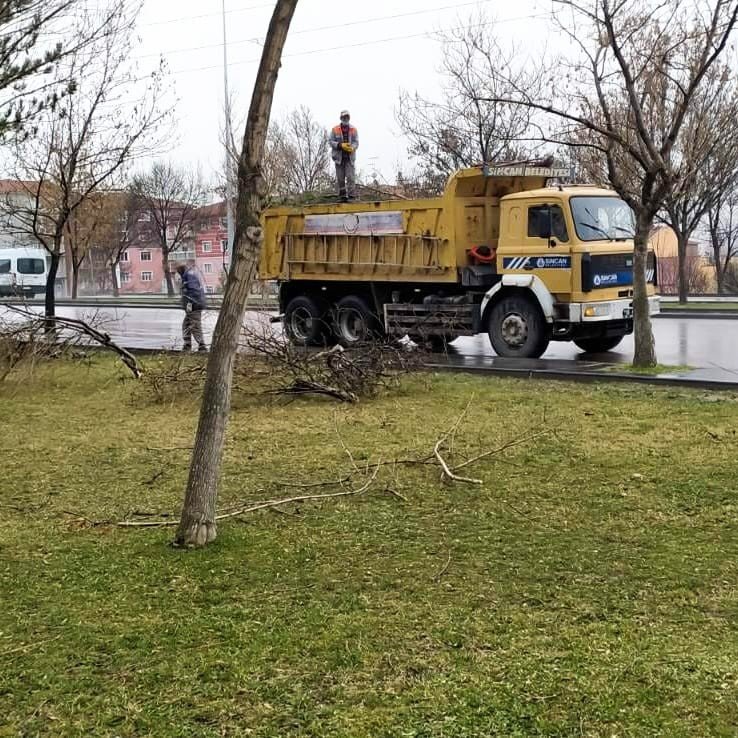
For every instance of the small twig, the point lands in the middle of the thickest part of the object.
(343, 444)
(312, 485)
(395, 493)
(150, 482)
(34, 644)
(447, 471)
(437, 577)
(504, 447)
(169, 448)
(92, 523)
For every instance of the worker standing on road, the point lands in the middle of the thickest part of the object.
(193, 302)
(344, 141)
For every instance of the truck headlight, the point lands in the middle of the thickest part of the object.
(597, 311)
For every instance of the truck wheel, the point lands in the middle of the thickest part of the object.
(598, 345)
(517, 328)
(354, 322)
(304, 321)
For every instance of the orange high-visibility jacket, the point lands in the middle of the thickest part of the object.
(336, 139)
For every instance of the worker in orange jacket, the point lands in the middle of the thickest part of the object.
(344, 140)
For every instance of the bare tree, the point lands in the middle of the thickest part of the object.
(170, 196)
(705, 156)
(722, 219)
(297, 156)
(29, 61)
(80, 146)
(197, 523)
(628, 96)
(108, 227)
(301, 144)
(469, 124)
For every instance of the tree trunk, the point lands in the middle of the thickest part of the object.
(50, 297)
(75, 279)
(682, 267)
(114, 277)
(167, 273)
(645, 351)
(197, 525)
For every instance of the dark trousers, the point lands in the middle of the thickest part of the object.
(192, 326)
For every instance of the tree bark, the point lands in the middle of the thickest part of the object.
(645, 350)
(167, 272)
(683, 276)
(75, 279)
(114, 277)
(50, 297)
(197, 526)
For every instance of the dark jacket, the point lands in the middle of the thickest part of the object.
(192, 291)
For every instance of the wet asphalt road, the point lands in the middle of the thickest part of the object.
(695, 342)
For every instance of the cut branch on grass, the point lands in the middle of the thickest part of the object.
(369, 472)
(26, 337)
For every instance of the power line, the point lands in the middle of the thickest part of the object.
(245, 9)
(389, 39)
(317, 29)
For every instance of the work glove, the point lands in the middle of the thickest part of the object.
(188, 307)
(347, 147)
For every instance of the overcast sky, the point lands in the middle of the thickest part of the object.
(371, 50)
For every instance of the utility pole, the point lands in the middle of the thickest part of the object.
(229, 140)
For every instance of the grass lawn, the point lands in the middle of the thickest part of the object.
(588, 588)
(717, 306)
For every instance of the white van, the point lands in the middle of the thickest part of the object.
(23, 272)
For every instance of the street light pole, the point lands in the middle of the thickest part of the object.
(229, 141)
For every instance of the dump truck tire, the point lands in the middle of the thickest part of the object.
(598, 345)
(517, 328)
(305, 321)
(354, 322)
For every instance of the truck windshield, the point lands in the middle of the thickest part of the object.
(598, 218)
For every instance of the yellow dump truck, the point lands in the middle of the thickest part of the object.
(499, 252)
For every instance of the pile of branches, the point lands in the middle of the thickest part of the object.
(343, 374)
(27, 337)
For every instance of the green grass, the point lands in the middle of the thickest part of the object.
(716, 306)
(588, 588)
(649, 370)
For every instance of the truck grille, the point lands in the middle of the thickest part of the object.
(612, 270)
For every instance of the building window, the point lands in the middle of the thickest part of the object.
(224, 245)
(144, 217)
(124, 256)
(224, 222)
(125, 277)
(207, 246)
(207, 268)
(204, 225)
(210, 290)
(145, 256)
(147, 276)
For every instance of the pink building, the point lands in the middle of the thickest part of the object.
(211, 245)
(141, 271)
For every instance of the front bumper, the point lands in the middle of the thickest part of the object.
(597, 312)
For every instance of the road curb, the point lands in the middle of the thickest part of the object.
(698, 314)
(586, 376)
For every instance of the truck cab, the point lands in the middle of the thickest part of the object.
(578, 241)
